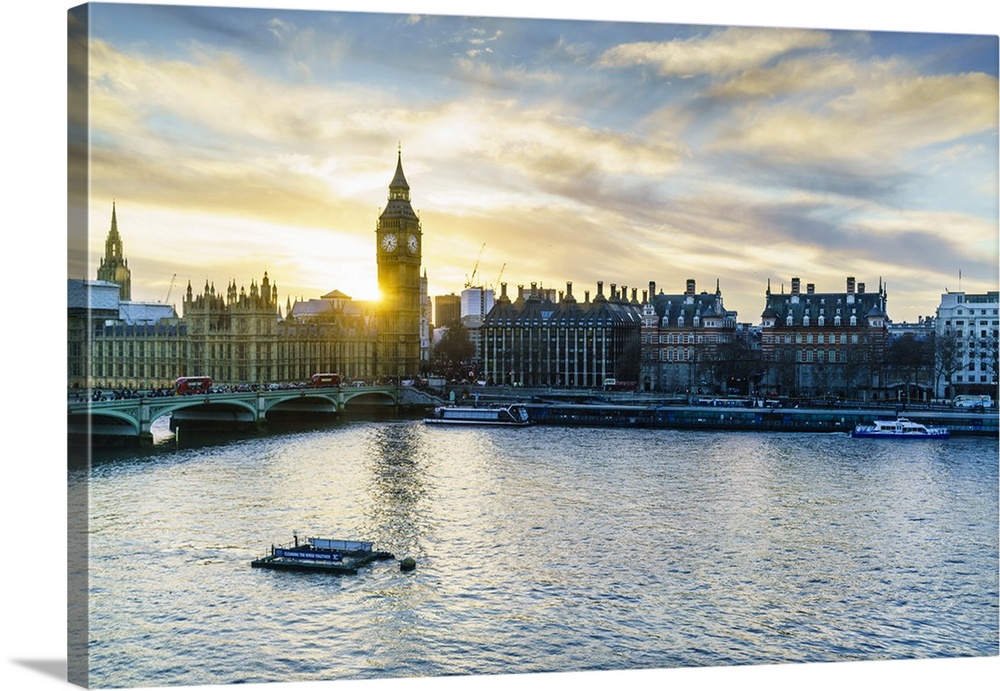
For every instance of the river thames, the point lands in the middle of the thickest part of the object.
(538, 549)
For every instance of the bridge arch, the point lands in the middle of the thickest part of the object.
(381, 398)
(157, 410)
(98, 419)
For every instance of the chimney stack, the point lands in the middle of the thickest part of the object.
(850, 285)
(810, 288)
(795, 286)
(861, 288)
(690, 287)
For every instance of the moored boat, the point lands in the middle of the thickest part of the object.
(515, 415)
(900, 428)
(318, 554)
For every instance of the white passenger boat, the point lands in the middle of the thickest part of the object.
(515, 415)
(900, 428)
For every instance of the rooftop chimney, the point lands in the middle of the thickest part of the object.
(850, 285)
(810, 288)
(690, 287)
(795, 286)
(861, 288)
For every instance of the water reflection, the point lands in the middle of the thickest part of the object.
(397, 487)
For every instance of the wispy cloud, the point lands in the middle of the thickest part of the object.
(720, 53)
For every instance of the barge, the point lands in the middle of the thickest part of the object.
(341, 557)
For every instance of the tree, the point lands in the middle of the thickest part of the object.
(947, 358)
(738, 365)
(453, 352)
(909, 357)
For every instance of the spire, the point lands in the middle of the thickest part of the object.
(399, 183)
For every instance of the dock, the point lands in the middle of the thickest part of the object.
(693, 417)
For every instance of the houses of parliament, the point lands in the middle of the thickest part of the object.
(239, 335)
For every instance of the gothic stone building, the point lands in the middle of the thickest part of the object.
(238, 336)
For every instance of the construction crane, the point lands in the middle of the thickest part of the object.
(173, 280)
(499, 276)
(469, 280)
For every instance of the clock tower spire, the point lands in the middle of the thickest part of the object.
(399, 244)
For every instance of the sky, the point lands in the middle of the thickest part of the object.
(235, 141)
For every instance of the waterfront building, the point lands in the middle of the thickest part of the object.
(240, 337)
(398, 251)
(535, 341)
(683, 337)
(447, 309)
(110, 341)
(476, 303)
(966, 344)
(824, 344)
(921, 329)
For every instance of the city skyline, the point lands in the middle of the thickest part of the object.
(238, 141)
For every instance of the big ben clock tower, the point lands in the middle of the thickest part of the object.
(398, 250)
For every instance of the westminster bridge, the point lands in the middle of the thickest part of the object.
(133, 417)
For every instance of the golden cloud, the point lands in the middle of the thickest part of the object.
(721, 52)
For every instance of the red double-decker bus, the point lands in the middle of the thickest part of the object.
(192, 385)
(326, 379)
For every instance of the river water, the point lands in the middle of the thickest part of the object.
(538, 549)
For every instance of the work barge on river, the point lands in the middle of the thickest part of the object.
(319, 555)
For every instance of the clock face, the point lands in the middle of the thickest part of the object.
(411, 244)
(389, 242)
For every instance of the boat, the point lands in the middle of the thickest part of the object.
(515, 415)
(341, 557)
(900, 428)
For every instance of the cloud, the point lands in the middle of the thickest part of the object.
(720, 53)
(881, 116)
